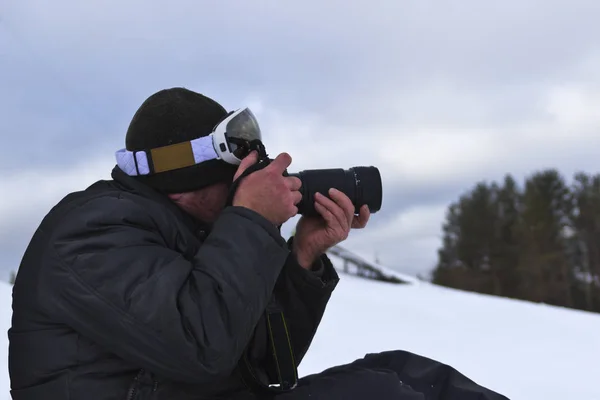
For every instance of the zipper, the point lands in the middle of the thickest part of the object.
(133, 389)
(134, 385)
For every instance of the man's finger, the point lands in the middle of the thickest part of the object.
(280, 163)
(247, 161)
(297, 197)
(343, 201)
(334, 209)
(329, 218)
(293, 182)
(362, 219)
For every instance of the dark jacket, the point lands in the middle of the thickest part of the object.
(121, 295)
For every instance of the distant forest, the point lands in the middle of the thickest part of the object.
(539, 242)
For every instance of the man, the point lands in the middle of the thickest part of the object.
(172, 280)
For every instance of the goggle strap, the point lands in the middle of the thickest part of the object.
(175, 156)
(166, 158)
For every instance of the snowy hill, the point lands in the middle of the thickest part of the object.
(523, 350)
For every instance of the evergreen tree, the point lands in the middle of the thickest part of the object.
(586, 246)
(506, 250)
(448, 263)
(546, 273)
(465, 257)
(541, 243)
(478, 221)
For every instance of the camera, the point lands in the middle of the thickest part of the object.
(361, 184)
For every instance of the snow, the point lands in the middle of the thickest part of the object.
(525, 351)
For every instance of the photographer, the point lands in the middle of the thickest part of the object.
(172, 280)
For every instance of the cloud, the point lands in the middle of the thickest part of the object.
(437, 95)
(33, 190)
(29, 194)
(407, 242)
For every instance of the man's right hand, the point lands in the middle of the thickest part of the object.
(267, 191)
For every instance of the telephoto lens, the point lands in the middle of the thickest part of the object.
(361, 184)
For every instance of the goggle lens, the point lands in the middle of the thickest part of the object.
(240, 131)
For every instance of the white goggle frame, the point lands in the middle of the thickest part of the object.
(180, 155)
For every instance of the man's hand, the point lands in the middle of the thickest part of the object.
(267, 191)
(315, 235)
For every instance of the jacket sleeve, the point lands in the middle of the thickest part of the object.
(113, 279)
(304, 295)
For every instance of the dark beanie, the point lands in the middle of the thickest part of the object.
(173, 116)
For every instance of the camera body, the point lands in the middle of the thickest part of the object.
(361, 184)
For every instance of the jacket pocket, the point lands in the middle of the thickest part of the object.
(57, 389)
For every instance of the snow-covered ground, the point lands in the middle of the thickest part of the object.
(523, 350)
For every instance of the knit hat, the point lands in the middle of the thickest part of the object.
(173, 116)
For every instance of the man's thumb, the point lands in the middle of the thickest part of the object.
(247, 161)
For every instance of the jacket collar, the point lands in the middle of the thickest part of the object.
(131, 185)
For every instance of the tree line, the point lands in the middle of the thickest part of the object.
(538, 242)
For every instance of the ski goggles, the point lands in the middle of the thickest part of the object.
(231, 140)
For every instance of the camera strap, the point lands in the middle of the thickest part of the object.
(282, 355)
(277, 330)
(263, 161)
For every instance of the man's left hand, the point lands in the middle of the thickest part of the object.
(315, 235)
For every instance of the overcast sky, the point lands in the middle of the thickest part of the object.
(438, 95)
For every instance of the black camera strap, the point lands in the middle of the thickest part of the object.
(263, 161)
(278, 333)
(282, 356)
